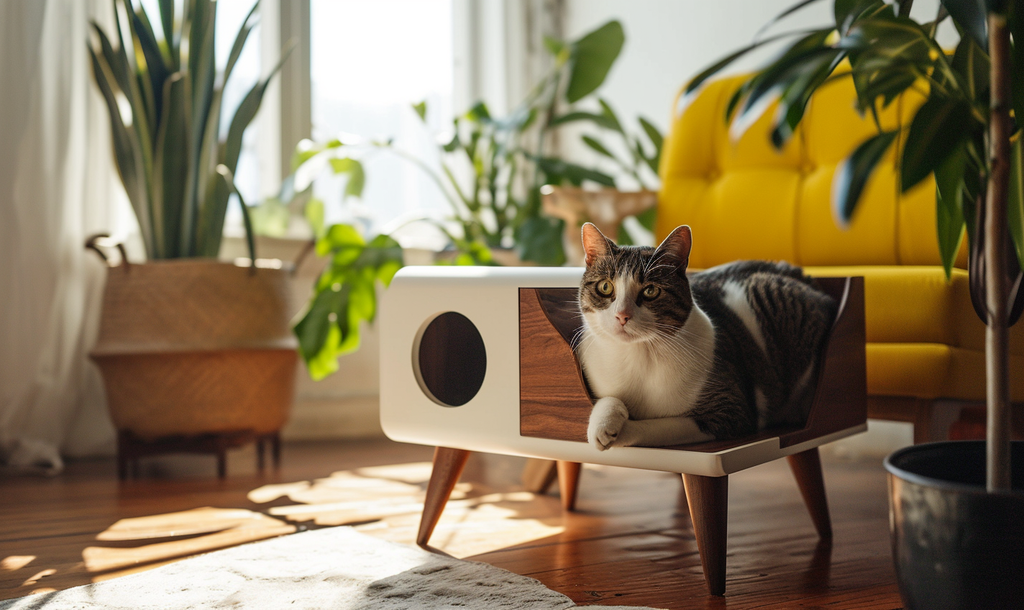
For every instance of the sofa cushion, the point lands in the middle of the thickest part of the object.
(744, 199)
(923, 336)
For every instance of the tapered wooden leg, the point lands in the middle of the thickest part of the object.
(708, 498)
(568, 483)
(806, 467)
(222, 463)
(448, 465)
(259, 453)
(275, 449)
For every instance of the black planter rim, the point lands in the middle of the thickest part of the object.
(893, 459)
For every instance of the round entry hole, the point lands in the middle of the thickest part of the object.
(451, 360)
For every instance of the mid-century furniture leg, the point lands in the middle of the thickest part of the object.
(568, 483)
(275, 449)
(806, 467)
(448, 465)
(708, 498)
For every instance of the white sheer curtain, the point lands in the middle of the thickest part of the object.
(57, 185)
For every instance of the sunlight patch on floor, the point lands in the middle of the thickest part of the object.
(16, 562)
(191, 532)
(386, 502)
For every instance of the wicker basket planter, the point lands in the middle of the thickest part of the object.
(196, 349)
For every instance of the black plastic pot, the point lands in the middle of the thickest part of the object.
(955, 545)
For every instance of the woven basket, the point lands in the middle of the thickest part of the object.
(194, 346)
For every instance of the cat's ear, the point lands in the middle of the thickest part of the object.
(677, 246)
(595, 244)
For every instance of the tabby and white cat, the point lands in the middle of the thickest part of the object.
(674, 360)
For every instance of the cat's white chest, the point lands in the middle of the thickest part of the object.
(653, 379)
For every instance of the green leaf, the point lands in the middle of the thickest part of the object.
(1016, 24)
(593, 56)
(340, 236)
(478, 113)
(421, 110)
(624, 238)
(795, 98)
(653, 134)
(387, 270)
(1015, 199)
(973, 66)
(539, 239)
(270, 217)
(609, 114)
(251, 20)
(314, 214)
(250, 234)
(167, 23)
(244, 114)
(558, 170)
(215, 208)
(127, 156)
(972, 18)
(887, 85)
(597, 147)
(853, 173)
(949, 207)
(318, 332)
(718, 66)
(786, 13)
(804, 55)
(171, 166)
(648, 218)
(939, 126)
(571, 117)
(554, 46)
(154, 61)
(848, 11)
(356, 175)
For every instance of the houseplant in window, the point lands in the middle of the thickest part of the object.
(956, 508)
(189, 347)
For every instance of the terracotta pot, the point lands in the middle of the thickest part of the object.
(955, 545)
(195, 346)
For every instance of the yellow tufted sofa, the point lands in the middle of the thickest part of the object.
(744, 199)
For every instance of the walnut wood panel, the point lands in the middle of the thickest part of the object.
(553, 400)
(840, 399)
(555, 404)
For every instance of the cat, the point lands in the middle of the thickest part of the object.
(674, 359)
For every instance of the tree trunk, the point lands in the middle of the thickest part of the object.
(996, 335)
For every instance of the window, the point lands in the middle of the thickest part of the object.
(369, 63)
(244, 75)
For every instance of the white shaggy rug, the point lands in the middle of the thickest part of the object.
(334, 568)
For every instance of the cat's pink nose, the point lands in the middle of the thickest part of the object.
(623, 317)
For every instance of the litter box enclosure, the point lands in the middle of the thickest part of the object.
(480, 359)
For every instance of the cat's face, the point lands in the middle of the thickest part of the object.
(635, 293)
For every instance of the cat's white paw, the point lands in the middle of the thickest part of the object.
(606, 422)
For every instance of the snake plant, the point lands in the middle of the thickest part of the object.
(164, 93)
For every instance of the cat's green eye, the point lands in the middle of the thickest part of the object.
(651, 292)
(605, 288)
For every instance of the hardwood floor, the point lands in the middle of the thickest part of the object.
(629, 542)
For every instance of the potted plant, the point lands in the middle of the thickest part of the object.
(955, 508)
(492, 172)
(189, 348)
